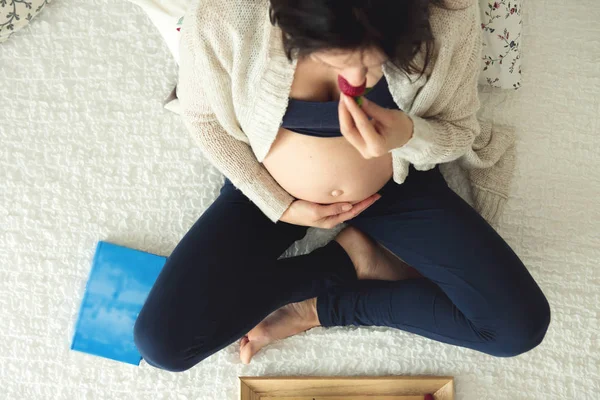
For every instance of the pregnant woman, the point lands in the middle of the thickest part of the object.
(261, 88)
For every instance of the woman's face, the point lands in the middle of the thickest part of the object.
(354, 66)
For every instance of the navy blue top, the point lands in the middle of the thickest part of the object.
(320, 118)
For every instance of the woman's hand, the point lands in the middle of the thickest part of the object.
(388, 130)
(306, 213)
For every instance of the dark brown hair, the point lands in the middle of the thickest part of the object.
(398, 28)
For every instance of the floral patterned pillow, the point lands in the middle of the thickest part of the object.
(501, 25)
(16, 14)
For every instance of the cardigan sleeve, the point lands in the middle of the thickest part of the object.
(232, 157)
(450, 125)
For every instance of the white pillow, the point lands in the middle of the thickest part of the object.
(501, 25)
(15, 15)
(167, 15)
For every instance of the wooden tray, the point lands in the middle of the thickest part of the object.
(347, 388)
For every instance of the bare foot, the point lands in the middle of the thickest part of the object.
(371, 260)
(287, 321)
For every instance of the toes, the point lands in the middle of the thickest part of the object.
(249, 350)
(255, 340)
(246, 354)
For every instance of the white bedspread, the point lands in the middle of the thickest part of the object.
(88, 153)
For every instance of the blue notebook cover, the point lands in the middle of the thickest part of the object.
(119, 282)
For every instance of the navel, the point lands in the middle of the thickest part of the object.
(337, 193)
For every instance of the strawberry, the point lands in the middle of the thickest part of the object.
(359, 99)
(429, 397)
(350, 90)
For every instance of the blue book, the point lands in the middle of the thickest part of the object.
(119, 282)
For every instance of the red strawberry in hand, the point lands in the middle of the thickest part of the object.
(429, 397)
(348, 89)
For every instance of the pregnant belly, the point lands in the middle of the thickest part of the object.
(325, 170)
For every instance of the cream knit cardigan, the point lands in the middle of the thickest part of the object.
(234, 84)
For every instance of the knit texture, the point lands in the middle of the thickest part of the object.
(234, 82)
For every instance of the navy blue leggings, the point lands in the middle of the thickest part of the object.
(224, 277)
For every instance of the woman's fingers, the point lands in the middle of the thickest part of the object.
(347, 126)
(359, 131)
(375, 111)
(335, 219)
(361, 120)
(324, 211)
(359, 207)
